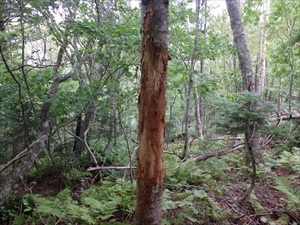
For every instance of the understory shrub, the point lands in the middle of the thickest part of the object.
(98, 204)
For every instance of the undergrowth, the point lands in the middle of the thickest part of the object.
(191, 195)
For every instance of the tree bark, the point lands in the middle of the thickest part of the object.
(260, 74)
(251, 134)
(261, 61)
(241, 44)
(191, 83)
(152, 105)
(198, 100)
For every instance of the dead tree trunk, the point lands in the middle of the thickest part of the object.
(152, 105)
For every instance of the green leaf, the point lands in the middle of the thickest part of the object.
(201, 194)
(187, 216)
(169, 204)
(19, 220)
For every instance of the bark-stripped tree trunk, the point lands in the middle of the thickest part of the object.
(152, 104)
(252, 144)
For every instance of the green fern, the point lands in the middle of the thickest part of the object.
(293, 197)
(291, 160)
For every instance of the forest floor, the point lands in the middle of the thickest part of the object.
(266, 206)
(274, 207)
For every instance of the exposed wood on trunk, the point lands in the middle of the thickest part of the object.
(152, 104)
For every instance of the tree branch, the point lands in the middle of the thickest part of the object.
(220, 153)
(111, 168)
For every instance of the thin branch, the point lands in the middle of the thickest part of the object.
(86, 132)
(111, 168)
(34, 201)
(26, 132)
(285, 117)
(127, 144)
(33, 67)
(220, 153)
(16, 158)
(20, 98)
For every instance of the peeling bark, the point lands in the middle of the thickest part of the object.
(152, 103)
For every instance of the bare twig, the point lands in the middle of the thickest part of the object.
(220, 153)
(111, 168)
(127, 144)
(35, 203)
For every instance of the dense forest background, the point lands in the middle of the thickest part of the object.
(69, 89)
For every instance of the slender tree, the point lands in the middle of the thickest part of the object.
(191, 83)
(152, 104)
(251, 134)
(252, 143)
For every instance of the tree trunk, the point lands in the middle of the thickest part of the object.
(198, 100)
(261, 61)
(152, 103)
(241, 44)
(260, 74)
(252, 143)
(191, 83)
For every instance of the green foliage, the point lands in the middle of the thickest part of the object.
(293, 196)
(291, 160)
(240, 110)
(251, 12)
(97, 204)
(110, 197)
(75, 176)
(7, 213)
(189, 203)
(262, 171)
(19, 220)
(110, 77)
(10, 207)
